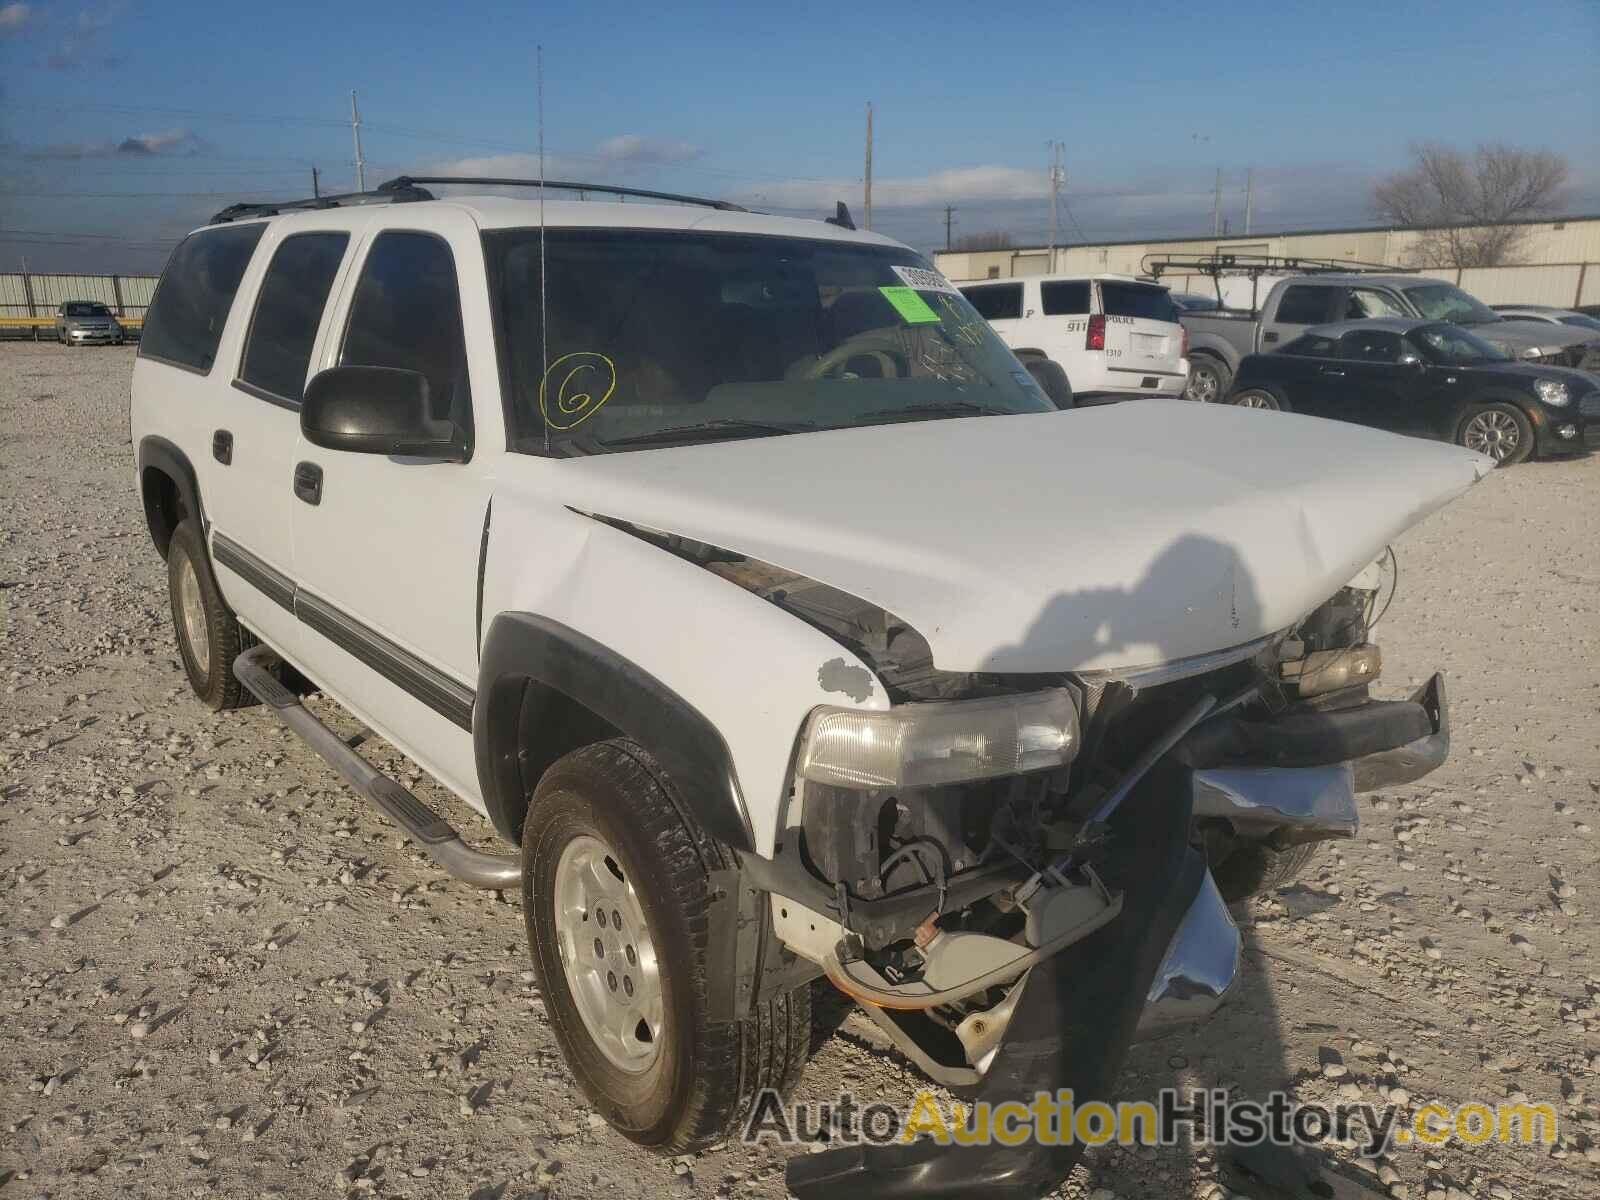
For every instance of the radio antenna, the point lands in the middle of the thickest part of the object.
(544, 316)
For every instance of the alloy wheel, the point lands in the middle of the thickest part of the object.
(192, 612)
(1255, 399)
(607, 954)
(1493, 433)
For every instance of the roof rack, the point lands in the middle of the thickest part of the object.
(384, 195)
(410, 182)
(1256, 265)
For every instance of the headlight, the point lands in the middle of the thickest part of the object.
(940, 742)
(1551, 391)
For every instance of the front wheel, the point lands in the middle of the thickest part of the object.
(616, 893)
(1502, 431)
(1251, 868)
(1208, 380)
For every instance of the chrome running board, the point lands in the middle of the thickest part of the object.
(428, 829)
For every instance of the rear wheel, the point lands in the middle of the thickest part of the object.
(1208, 380)
(1051, 379)
(208, 634)
(1502, 431)
(616, 893)
(1259, 397)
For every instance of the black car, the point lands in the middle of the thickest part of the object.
(1427, 378)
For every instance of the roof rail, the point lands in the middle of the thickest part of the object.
(1256, 265)
(239, 212)
(405, 182)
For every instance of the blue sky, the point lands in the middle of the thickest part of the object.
(115, 114)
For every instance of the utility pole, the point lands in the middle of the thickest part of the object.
(355, 130)
(1055, 198)
(316, 184)
(869, 166)
(949, 210)
(1249, 196)
(1216, 208)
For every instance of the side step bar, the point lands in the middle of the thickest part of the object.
(427, 828)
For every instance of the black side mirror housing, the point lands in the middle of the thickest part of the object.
(378, 410)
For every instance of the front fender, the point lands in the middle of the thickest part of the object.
(749, 672)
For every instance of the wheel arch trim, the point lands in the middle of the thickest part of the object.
(524, 652)
(160, 455)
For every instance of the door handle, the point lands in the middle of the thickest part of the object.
(1269, 337)
(222, 446)
(1331, 371)
(308, 482)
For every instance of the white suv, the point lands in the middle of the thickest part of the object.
(1113, 336)
(761, 601)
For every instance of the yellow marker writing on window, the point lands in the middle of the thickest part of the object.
(583, 381)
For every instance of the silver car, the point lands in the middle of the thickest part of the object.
(1547, 314)
(86, 322)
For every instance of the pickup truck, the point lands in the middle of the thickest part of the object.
(1218, 340)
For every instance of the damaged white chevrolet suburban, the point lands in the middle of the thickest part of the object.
(745, 581)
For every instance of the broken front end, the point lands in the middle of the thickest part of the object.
(1013, 876)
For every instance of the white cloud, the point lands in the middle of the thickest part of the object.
(627, 152)
(956, 185)
(171, 142)
(633, 148)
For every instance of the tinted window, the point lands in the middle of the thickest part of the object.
(1061, 299)
(288, 311)
(86, 310)
(1445, 302)
(196, 291)
(1302, 305)
(407, 314)
(1444, 343)
(1000, 303)
(1370, 345)
(1311, 346)
(1141, 300)
(656, 338)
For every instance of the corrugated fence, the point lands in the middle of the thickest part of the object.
(34, 295)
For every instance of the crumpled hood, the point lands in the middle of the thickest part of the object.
(1118, 536)
(1516, 338)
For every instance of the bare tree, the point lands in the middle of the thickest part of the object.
(990, 240)
(1466, 201)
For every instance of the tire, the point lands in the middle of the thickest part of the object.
(1502, 431)
(604, 835)
(1253, 867)
(1267, 398)
(1209, 379)
(208, 634)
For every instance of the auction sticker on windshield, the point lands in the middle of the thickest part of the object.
(924, 280)
(911, 307)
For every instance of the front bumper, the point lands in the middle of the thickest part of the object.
(101, 337)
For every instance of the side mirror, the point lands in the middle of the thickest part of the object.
(1414, 362)
(377, 410)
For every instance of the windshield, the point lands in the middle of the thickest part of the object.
(658, 338)
(1448, 344)
(1445, 302)
(88, 310)
(1581, 321)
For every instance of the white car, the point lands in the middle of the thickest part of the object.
(746, 583)
(1113, 336)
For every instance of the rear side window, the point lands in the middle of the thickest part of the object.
(1311, 345)
(1304, 305)
(1138, 300)
(407, 314)
(1003, 302)
(1370, 345)
(288, 311)
(196, 291)
(1064, 299)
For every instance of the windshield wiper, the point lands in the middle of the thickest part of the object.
(721, 428)
(949, 408)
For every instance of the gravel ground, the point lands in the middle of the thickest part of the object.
(223, 974)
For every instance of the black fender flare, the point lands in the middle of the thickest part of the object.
(525, 651)
(157, 453)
